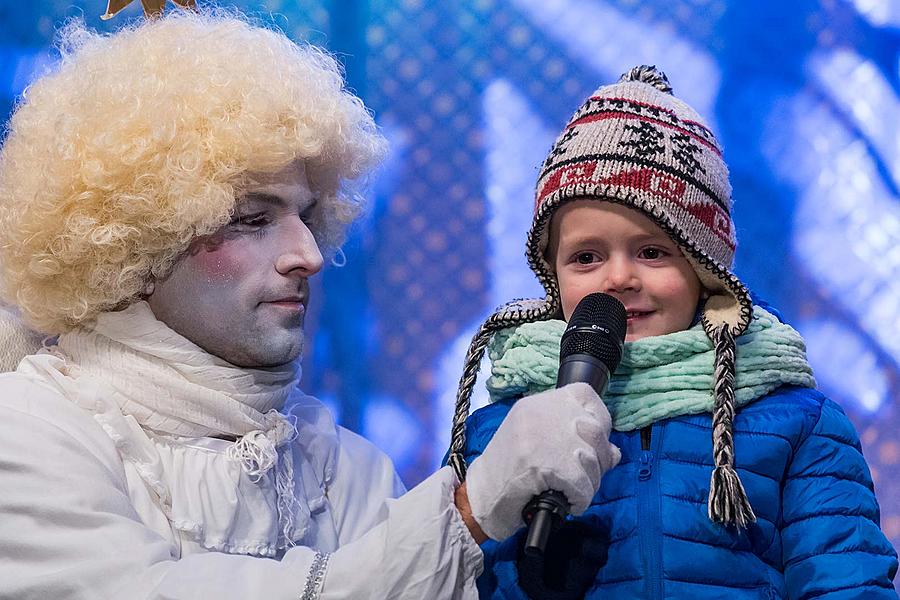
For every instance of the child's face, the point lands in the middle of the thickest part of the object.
(605, 247)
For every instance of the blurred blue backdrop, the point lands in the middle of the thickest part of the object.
(805, 99)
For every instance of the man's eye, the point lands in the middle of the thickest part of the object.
(254, 220)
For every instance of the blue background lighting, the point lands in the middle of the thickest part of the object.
(805, 98)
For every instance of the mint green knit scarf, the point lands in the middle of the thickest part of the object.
(659, 377)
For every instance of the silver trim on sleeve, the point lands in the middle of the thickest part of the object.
(316, 577)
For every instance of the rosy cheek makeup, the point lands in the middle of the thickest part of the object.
(225, 263)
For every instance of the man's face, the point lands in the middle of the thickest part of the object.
(241, 293)
(607, 247)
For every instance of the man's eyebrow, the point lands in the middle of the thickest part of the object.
(262, 197)
(274, 199)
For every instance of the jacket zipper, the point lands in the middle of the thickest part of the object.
(648, 514)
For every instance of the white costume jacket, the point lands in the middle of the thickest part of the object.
(120, 477)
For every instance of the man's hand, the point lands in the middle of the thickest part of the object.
(462, 505)
(555, 440)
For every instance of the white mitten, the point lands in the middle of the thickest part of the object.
(555, 440)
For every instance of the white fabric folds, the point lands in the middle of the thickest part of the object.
(97, 504)
(130, 363)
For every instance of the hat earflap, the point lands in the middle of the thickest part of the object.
(728, 502)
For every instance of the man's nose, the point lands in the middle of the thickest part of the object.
(301, 253)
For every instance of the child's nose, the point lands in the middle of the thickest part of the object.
(620, 276)
(301, 254)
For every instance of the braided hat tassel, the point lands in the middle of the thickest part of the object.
(463, 399)
(728, 502)
(509, 315)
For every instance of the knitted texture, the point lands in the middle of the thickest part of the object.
(129, 365)
(659, 377)
(16, 340)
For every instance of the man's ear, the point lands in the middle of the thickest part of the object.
(149, 289)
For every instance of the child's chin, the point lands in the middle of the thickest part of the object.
(635, 333)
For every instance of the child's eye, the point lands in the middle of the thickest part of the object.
(585, 258)
(653, 253)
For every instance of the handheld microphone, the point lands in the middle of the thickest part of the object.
(589, 351)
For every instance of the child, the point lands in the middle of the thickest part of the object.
(738, 478)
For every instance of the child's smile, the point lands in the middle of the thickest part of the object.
(636, 315)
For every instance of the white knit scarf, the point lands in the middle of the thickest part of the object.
(169, 385)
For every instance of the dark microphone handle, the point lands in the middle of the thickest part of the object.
(546, 512)
(583, 367)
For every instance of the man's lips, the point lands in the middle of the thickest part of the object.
(291, 302)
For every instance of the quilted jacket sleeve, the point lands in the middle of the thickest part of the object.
(832, 544)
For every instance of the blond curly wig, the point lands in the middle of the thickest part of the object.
(141, 141)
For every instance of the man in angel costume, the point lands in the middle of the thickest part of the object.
(165, 195)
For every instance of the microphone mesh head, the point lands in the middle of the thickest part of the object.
(597, 327)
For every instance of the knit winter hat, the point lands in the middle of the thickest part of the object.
(634, 143)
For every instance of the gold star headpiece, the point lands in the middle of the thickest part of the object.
(152, 8)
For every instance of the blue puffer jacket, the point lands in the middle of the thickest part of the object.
(799, 458)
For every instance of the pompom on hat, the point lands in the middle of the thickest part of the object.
(634, 143)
